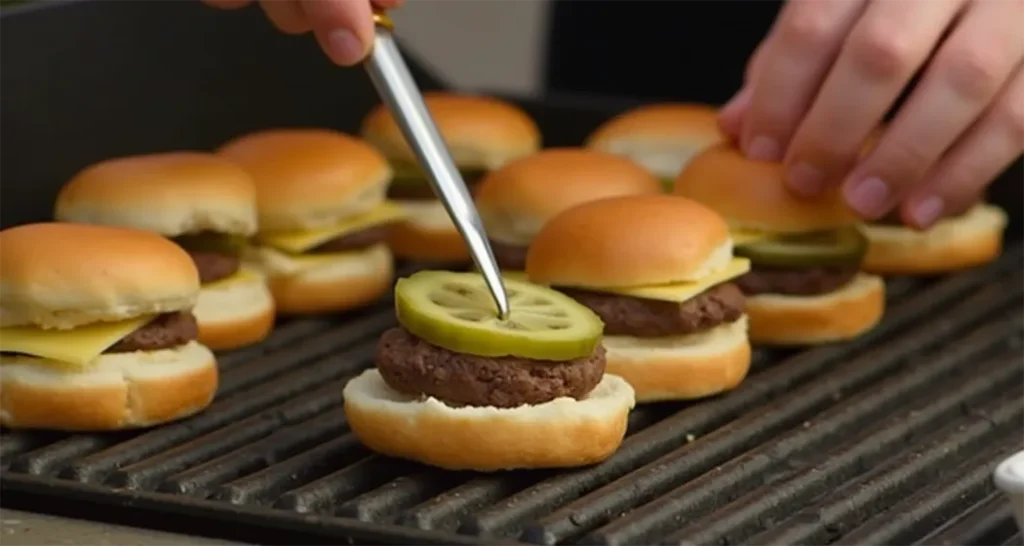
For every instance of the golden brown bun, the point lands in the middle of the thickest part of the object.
(682, 367)
(973, 239)
(560, 433)
(661, 137)
(479, 131)
(58, 275)
(811, 320)
(629, 241)
(117, 391)
(427, 234)
(752, 194)
(518, 198)
(310, 177)
(170, 193)
(235, 314)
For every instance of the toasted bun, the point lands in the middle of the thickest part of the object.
(561, 433)
(58, 275)
(629, 241)
(117, 391)
(427, 234)
(479, 131)
(682, 367)
(661, 137)
(170, 193)
(235, 314)
(973, 239)
(309, 178)
(752, 194)
(810, 320)
(517, 199)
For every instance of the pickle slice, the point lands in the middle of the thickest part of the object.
(212, 242)
(455, 311)
(836, 248)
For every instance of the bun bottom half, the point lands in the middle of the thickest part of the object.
(117, 391)
(353, 280)
(557, 434)
(810, 320)
(682, 367)
(974, 239)
(234, 315)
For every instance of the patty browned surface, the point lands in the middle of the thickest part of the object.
(510, 257)
(354, 241)
(412, 366)
(166, 331)
(638, 317)
(214, 266)
(421, 190)
(795, 282)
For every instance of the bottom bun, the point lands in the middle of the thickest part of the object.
(560, 433)
(116, 391)
(234, 314)
(682, 367)
(351, 280)
(810, 320)
(427, 235)
(970, 240)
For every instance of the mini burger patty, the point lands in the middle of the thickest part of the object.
(354, 241)
(164, 332)
(508, 256)
(214, 266)
(638, 317)
(412, 366)
(795, 282)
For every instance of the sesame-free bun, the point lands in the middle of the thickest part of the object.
(970, 240)
(117, 390)
(58, 275)
(661, 137)
(308, 178)
(629, 241)
(427, 234)
(561, 433)
(480, 131)
(752, 194)
(234, 314)
(170, 193)
(515, 200)
(844, 314)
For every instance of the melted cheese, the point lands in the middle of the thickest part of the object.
(683, 291)
(243, 275)
(78, 346)
(297, 242)
(744, 236)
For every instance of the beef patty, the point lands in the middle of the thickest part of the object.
(510, 257)
(354, 241)
(638, 317)
(412, 366)
(795, 282)
(164, 332)
(214, 266)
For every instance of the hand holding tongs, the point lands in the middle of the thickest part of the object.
(399, 92)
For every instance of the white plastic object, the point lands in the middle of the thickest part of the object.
(1009, 477)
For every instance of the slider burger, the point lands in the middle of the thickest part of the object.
(805, 286)
(323, 217)
(206, 205)
(96, 329)
(516, 200)
(661, 137)
(458, 388)
(658, 270)
(482, 134)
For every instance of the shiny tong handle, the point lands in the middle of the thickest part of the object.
(401, 95)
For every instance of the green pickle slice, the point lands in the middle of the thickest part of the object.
(212, 242)
(455, 311)
(835, 248)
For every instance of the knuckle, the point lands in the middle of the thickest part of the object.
(807, 28)
(907, 163)
(974, 72)
(883, 53)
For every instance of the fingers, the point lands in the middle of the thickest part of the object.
(388, 4)
(286, 15)
(730, 116)
(227, 4)
(344, 28)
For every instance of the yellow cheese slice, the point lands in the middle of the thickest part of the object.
(683, 291)
(240, 276)
(297, 242)
(745, 236)
(78, 346)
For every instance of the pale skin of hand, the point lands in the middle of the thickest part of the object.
(828, 71)
(343, 28)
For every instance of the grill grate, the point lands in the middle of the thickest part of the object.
(889, 439)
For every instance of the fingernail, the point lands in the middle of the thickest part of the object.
(345, 48)
(806, 180)
(868, 196)
(764, 148)
(737, 102)
(927, 210)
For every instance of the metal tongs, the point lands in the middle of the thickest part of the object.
(403, 98)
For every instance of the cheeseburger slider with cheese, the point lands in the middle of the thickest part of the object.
(517, 199)
(482, 134)
(323, 217)
(805, 286)
(659, 271)
(205, 204)
(96, 329)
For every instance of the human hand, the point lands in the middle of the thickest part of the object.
(828, 71)
(343, 28)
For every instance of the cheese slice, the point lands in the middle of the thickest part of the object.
(683, 291)
(297, 242)
(78, 346)
(243, 275)
(744, 236)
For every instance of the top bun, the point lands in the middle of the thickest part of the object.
(752, 194)
(629, 241)
(170, 193)
(480, 132)
(661, 137)
(57, 275)
(517, 199)
(308, 178)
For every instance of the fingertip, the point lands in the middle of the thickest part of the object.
(922, 212)
(344, 28)
(730, 116)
